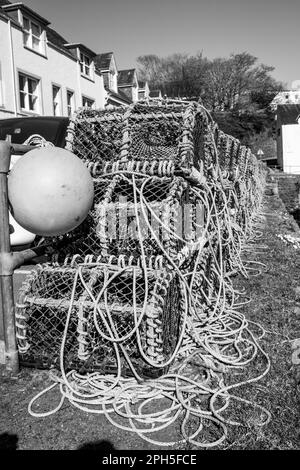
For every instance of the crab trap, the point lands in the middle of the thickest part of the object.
(172, 192)
(97, 315)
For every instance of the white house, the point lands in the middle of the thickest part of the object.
(128, 84)
(40, 72)
(285, 97)
(288, 137)
(144, 90)
(155, 94)
(291, 96)
(106, 64)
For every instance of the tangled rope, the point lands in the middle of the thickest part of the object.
(38, 141)
(213, 341)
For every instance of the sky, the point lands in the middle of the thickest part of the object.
(267, 29)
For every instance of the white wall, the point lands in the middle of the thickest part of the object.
(135, 93)
(7, 100)
(291, 148)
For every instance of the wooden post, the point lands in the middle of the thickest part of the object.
(7, 309)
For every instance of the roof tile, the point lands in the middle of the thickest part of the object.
(126, 77)
(102, 61)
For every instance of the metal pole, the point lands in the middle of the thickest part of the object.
(7, 309)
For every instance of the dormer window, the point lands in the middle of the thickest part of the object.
(86, 65)
(85, 59)
(33, 35)
(33, 24)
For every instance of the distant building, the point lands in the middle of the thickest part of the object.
(155, 94)
(143, 91)
(40, 72)
(285, 97)
(106, 64)
(288, 137)
(128, 84)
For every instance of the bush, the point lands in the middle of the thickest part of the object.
(245, 126)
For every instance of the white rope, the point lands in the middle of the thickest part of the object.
(208, 346)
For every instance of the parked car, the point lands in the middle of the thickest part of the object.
(51, 128)
(31, 131)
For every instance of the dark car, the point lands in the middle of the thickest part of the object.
(51, 128)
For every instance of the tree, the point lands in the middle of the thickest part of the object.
(218, 90)
(238, 82)
(177, 75)
(234, 83)
(149, 67)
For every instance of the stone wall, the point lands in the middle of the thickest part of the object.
(289, 190)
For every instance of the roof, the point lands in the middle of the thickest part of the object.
(155, 94)
(288, 113)
(102, 61)
(4, 2)
(2, 12)
(53, 37)
(56, 39)
(126, 77)
(81, 46)
(119, 96)
(8, 6)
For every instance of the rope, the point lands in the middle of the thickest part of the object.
(213, 336)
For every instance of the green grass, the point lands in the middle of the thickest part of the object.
(274, 301)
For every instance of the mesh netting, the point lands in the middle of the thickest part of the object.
(47, 301)
(174, 197)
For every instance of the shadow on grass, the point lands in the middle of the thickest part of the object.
(8, 441)
(97, 446)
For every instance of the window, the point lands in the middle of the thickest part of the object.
(29, 93)
(87, 102)
(85, 65)
(33, 35)
(106, 79)
(70, 102)
(56, 94)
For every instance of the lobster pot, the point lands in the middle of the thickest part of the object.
(140, 132)
(140, 151)
(101, 319)
(84, 240)
(114, 295)
(131, 218)
(147, 137)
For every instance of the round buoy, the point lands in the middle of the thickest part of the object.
(50, 191)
